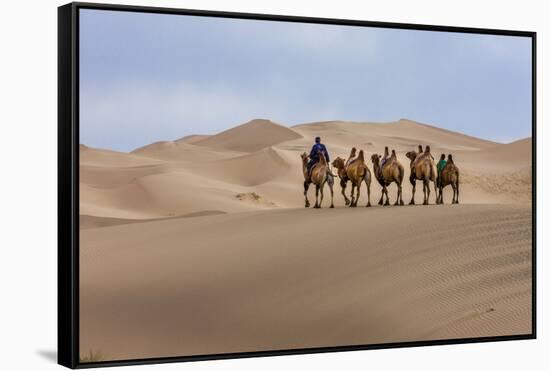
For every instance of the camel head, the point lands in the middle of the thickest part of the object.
(375, 158)
(411, 155)
(304, 157)
(338, 163)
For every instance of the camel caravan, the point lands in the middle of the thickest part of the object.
(387, 170)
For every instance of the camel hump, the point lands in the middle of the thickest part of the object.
(393, 153)
(427, 149)
(361, 155)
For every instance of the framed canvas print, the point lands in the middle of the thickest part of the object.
(236, 185)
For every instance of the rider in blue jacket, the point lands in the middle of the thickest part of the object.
(317, 149)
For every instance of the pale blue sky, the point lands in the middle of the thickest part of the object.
(150, 77)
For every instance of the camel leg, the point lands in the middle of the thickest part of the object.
(436, 190)
(306, 188)
(424, 192)
(385, 191)
(352, 203)
(343, 186)
(322, 189)
(399, 200)
(441, 196)
(413, 182)
(368, 194)
(454, 193)
(381, 198)
(330, 182)
(457, 189)
(430, 191)
(426, 189)
(358, 194)
(316, 206)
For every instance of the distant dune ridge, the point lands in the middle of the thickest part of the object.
(174, 232)
(250, 137)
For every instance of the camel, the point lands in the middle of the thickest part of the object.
(356, 171)
(391, 171)
(320, 174)
(340, 165)
(422, 168)
(449, 176)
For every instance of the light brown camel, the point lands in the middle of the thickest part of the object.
(422, 168)
(320, 174)
(340, 165)
(391, 171)
(449, 176)
(356, 171)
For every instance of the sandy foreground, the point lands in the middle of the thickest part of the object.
(286, 279)
(201, 245)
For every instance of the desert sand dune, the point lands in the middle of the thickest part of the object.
(250, 137)
(177, 178)
(89, 221)
(296, 278)
(503, 158)
(181, 151)
(249, 170)
(202, 245)
(192, 138)
(167, 194)
(107, 158)
(106, 177)
(400, 135)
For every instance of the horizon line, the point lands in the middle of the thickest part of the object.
(313, 123)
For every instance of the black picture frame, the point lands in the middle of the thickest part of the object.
(68, 181)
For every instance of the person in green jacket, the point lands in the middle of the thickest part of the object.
(440, 165)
